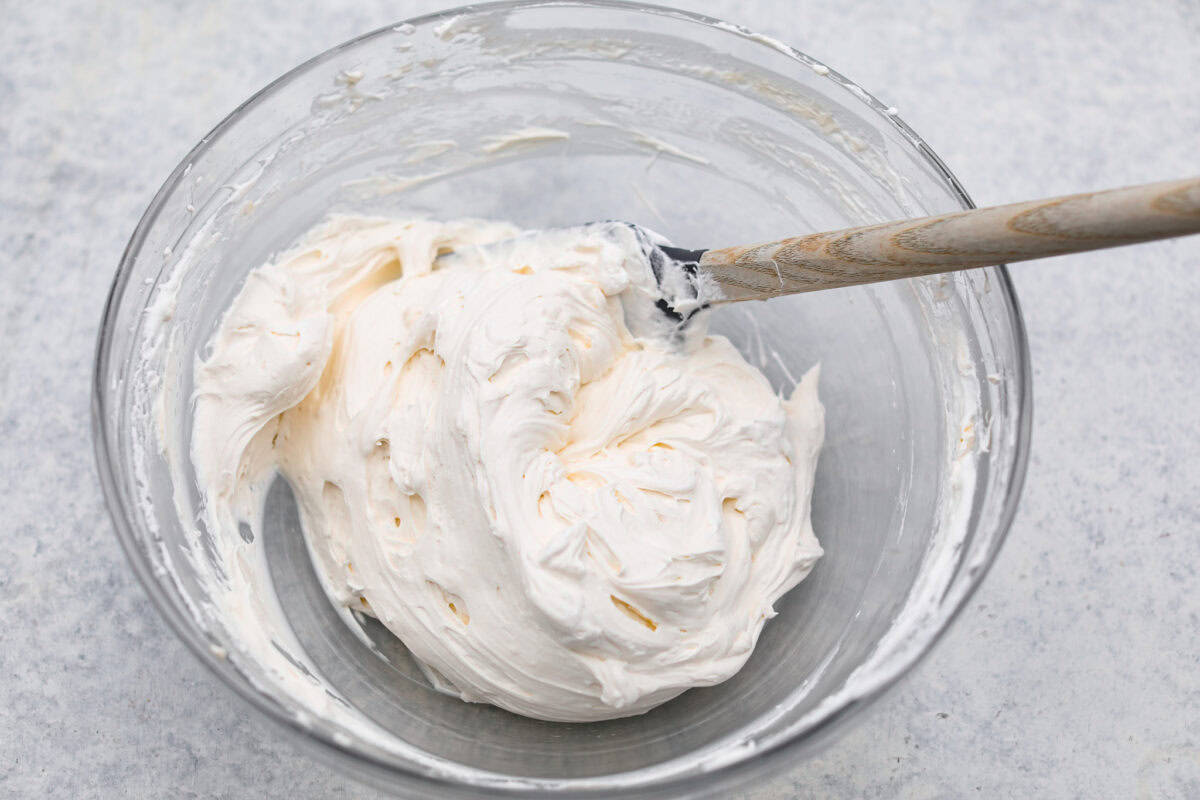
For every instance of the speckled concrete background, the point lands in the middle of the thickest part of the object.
(1074, 673)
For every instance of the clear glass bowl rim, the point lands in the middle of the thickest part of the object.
(108, 466)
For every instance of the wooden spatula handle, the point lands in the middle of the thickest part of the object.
(963, 240)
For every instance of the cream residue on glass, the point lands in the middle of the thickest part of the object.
(555, 515)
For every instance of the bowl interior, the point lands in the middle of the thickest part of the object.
(556, 115)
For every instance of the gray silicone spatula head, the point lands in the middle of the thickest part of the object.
(667, 288)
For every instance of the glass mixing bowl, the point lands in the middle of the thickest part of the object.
(554, 114)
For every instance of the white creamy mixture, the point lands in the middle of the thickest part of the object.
(553, 515)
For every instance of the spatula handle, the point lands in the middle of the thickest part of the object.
(963, 240)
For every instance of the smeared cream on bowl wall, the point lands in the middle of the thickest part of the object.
(554, 515)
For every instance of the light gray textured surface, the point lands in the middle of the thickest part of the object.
(1074, 672)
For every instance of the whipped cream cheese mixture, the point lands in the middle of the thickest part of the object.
(553, 514)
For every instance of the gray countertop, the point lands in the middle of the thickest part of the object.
(1075, 671)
